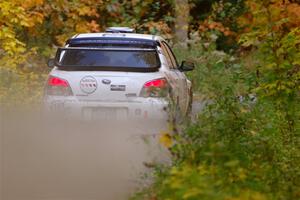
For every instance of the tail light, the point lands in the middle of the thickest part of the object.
(155, 88)
(58, 87)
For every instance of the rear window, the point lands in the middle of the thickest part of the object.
(78, 58)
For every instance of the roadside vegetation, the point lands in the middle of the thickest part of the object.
(245, 144)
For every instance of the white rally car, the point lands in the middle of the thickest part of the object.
(117, 74)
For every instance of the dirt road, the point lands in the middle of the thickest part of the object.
(53, 160)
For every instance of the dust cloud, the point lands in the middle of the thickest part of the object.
(53, 158)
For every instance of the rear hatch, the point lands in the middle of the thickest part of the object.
(111, 86)
(108, 68)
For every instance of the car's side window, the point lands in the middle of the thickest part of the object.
(171, 55)
(166, 54)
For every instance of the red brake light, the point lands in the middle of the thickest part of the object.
(155, 88)
(58, 87)
(160, 83)
(54, 81)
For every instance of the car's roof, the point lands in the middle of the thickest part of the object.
(117, 36)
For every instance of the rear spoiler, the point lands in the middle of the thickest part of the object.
(105, 49)
(112, 41)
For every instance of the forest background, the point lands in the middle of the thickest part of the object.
(245, 144)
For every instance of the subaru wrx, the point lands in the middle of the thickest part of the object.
(117, 74)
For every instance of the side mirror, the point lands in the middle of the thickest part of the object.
(186, 66)
(51, 63)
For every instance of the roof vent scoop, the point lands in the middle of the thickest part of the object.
(119, 30)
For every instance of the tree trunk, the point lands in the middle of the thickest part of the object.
(182, 11)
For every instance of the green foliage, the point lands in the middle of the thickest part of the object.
(245, 143)
(222, 19)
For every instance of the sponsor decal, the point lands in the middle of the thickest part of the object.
(118, 87)
(88, 84)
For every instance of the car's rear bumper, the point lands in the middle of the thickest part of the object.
(137, 108)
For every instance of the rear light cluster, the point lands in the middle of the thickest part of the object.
(58, 87)
(155, 88)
